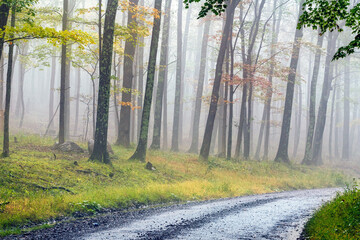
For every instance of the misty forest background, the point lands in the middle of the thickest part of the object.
(243, 85)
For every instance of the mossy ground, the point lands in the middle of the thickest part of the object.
(179, 177)
(338, 219)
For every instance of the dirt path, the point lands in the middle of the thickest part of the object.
(267, 216)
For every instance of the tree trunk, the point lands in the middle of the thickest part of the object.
(298, 121)
(100, 152)
(4, 14)
(161, 80)
(194, 148)
(282, 153)
(205, 148)
(183, 67)
(2, 80)
(311, 127)
(346, 131)
(6, 145)
(332, 121)
(176, 120)
(140, 153)
(77, 102)
(62, 130)
(129, 53)
(321, 119)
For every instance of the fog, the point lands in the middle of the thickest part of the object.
(35, 93)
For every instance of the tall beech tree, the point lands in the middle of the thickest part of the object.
(325, 94)
(312, 115)
(282, 153)
(64, 75)
(128, 75)
(164, 56)
(6, 145)
(205, 147)
(4, 15)
(194, 148)
(100, 152)
(179, 76)
(140, 153)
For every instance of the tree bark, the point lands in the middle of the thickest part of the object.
(194, 148)
(176, 120)
(282, 153)
(140, 153)
(205, 148)
(129, 54)
(162, 77)
(312, 103)
(321, 118)
(62, 119)
(4, 14)
(346, 131)
(6, 145)
(100, 152)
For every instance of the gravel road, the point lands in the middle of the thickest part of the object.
(267, 216)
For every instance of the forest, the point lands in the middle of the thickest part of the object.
(269, 81)
(247, 84)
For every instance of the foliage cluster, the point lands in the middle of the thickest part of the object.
(33, 182)
(339, 219)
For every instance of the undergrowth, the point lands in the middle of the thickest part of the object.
(338, 219)
(39, 185)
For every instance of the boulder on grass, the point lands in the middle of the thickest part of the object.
(69, 147)
(91, 143)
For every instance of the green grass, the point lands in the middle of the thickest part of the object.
(338, 219)
(179, 177)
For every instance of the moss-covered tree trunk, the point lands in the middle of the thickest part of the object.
(282, 153)
(128, 75)
(140, 153)
(162, 77)
(100, 152)
(6, 145)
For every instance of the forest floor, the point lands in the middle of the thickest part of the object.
(40, 187)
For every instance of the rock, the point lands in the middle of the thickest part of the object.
(69, 147)
(150, 167)
(91, 143)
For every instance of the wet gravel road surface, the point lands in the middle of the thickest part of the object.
(267, 216)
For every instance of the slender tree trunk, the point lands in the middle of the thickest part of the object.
(77, 102)
(4, 14)
(2, 80)
(52, 89)
(140, 153)
(178, 90)
(282, 153)
(312, 118)
(129, 54)
(231, 100)
(194, 148)
(161, 80)
(332, 122)
(183, 71)
(205, 148)
(63, 80)
(100, 152)
(346, 131)
(321, 119)
(337, 122)
(298, 121)
(6, 145)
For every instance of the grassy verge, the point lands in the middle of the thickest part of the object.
(338, 219)
(38, 185)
